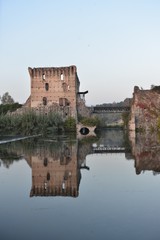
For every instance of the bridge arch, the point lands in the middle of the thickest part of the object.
(85, 130)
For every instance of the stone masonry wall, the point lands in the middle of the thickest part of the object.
(145, 109)
(55, 86)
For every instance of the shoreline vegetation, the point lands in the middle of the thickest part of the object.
(31, 123)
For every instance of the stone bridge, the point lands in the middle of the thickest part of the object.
(112, 109)
(110, 116)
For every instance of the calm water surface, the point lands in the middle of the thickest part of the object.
(96, 188)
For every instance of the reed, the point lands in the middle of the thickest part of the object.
(30, 123)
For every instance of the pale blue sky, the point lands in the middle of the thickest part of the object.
(114, 44)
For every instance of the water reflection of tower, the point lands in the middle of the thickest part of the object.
(56, 174)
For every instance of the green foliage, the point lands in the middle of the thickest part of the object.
(152, 129)
(90, 122)
(125, 118)
(30, 123)
(70, 124)
(140, 129)
(4, 108)
(156, 88)
(7, 99)
(158, 124)
(80, 117)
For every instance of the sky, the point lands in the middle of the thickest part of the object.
(115, 44)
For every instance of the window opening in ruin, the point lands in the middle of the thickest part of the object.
(48, 176)
(64, 86)
(44, 101)
(45, 162)
(61, 102)
(47, 86)
(64, 102)
(43, 76)
(62, 77)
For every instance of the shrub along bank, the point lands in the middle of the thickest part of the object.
(31, 123)
(4, 108)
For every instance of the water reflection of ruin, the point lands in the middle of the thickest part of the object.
(146, 152)
(56, 164)
(56, 172)
(56, 169)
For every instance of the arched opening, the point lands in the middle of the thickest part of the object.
(64, 86)
(72, 69)
(64, 102)
(43, 76)
(62, 77)
(45, 162)
(44, 101)
(47, 86)
(84, 131)
(48, 176)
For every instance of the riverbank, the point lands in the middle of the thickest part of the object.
(30, 123)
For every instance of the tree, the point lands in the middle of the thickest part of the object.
(7, 99)
(152, 86)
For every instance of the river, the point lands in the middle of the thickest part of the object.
(102, 187)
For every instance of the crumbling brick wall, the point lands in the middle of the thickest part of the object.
(145, 109)
(55, 86)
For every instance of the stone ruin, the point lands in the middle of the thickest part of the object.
(56, 89)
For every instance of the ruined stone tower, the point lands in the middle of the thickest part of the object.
(55, 87)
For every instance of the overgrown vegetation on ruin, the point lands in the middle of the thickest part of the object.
(158, 124)
(125, 118)
(155, 88)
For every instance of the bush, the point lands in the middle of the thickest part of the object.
(30, 123)
(4, 108)
(90, 122)
(70, 124)
(156, 89)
